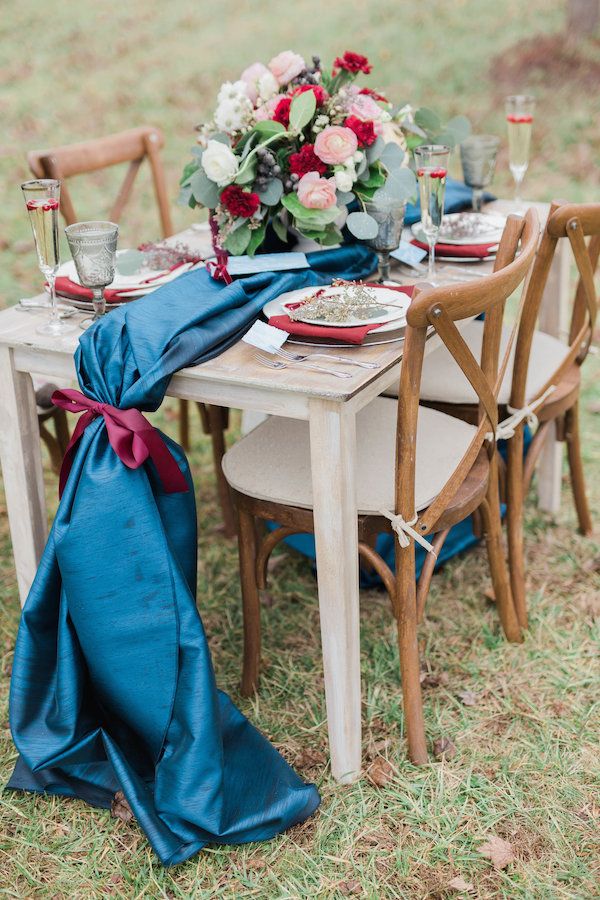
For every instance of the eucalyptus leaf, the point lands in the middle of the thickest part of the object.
(391, 156)
(268, 128)
(186, 175)
(400, 184)
(460, 127)
(221, 137)
(256, 239)
(280, 228)
(345, 197)
(316, 217)
(428, 119)
(373, 178)
(375, 150)
(205, 191)
(185, 195)
(197, 151)
(247, 172)
(362, 226)
(362, 166)
(272, 193)
(302, 110)
(238, 240)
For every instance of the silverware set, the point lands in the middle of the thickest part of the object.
(285, 359)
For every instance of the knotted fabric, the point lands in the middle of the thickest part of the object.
(131, 436)
(404, 531)
(112, 683)
(506, 429)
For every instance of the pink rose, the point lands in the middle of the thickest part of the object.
(315, 192)
(250, 77)
(364, 107)
(286, 66)
(335, 144)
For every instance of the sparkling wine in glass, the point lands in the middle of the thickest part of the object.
(519, 121)
(42, 200)
(432, 170)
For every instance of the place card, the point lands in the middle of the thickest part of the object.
(265, 337)
(409, 254)
(266, 262)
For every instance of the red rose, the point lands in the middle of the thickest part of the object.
(353, 62)
(239, 202)
(282, 111)
(320, 93)
(306, 160)
(364, 131)
(374, 94)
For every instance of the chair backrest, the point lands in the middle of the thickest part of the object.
(441, 308)
(131, 146)
(576, 222)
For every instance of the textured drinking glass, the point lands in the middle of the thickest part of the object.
(519, 121)
(478, 158)
(432, 170)
(93, 247)
(42, 199)
(389, 215)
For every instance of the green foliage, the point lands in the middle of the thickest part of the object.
(205, 191)
(237, 241)
(257, 236)
(362, 226)
(316, 218)
(302, 110)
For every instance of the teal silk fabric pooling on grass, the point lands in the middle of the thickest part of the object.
(112, 683)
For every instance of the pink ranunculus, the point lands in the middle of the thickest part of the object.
(267, 109)
(250, 78)
(315, 192)
(286, 66)
(335, 144)
(364, 107)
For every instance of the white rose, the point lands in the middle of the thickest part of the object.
(267, 86)
(219, 163)
(343, 180)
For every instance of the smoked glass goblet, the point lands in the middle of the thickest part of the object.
(93, 247)
(478, 157)
(389, 215)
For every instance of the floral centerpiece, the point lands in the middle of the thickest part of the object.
(293, 145)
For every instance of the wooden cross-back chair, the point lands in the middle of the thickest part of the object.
(419, 471)
(133, 146)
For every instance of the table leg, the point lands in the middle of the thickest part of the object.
(333, 453)
(22, 470)
(553, 320)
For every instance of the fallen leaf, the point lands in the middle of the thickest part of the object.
(310, 758)
(380, 772)
(379, 748)
(498, 851)
(444, 747)
(468, 698)
(459, 884)
(120, 808)
(350, 888)
(380, 840)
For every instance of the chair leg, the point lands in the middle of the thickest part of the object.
(54, 451)
(490, 509)
(406, 608)
(250, 602)
(184, 424)
(514, 524)
(217, 436)
(572, 438)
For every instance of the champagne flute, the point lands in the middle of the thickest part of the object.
(42, 199)
(432, 171)
(478, 158)
(519, 120)
(93, 246)
(389, 215)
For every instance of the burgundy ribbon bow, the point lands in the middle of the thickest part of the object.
(217, 269)
(131, 436)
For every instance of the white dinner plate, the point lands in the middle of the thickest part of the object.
(487, 228)
(393, 321)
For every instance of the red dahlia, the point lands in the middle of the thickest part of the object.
(239, 202)
(282, 111)
(374, 94)
(364, 131)
(353, 62)
(306, 160)
(320, 93)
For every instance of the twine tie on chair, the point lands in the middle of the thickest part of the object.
(507, 428)
(404, 531)
(131, 436)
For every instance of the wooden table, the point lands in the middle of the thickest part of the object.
(235, 380)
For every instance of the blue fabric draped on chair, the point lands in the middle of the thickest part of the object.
(112, 684)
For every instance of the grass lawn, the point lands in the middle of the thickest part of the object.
(523, 719)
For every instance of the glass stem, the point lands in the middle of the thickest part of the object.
(477, 199)
(384, 265)
(431, 260)
(54, 317)
(99, 303)
(518, 183)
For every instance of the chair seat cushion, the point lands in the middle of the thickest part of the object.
(444, 381)
(272, 462)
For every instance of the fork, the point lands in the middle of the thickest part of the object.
(300, 357)
(277, 364)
